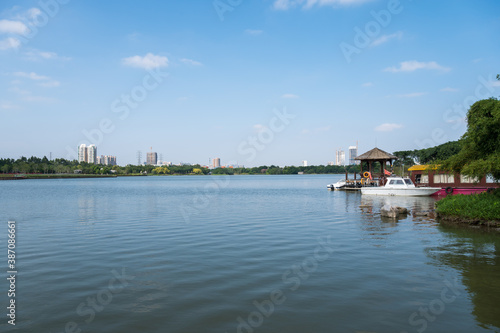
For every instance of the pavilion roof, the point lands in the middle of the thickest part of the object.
(377, 155)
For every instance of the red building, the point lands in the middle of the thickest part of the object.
(425, 175)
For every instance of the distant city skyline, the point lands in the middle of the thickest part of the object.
(266, 83)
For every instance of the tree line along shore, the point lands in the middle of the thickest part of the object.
(476, 154)
(42, 167)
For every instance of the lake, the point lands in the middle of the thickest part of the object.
(239, 254)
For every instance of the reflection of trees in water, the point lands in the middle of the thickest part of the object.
(475, 253)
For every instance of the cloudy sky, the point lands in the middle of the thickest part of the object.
(252, 82)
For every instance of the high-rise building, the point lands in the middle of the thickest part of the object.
(216, 162)
(111, 160)
(304, 163)
(340, 157)
(87, 154)
(106, 160)
(353, 153)
(152, 158)
(82, 153)
(92, 154)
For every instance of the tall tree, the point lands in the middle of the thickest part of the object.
(480, 153)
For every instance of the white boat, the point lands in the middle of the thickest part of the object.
(336, 186)
(400, 186)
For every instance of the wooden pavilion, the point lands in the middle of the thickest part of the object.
(369, 159)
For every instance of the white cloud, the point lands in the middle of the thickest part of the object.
(387, 127)
(287, 4)
(133, 36)
(39, 99)
(36, 55)
(449, 89)
(259, 128)
(27, 96)
(386, 38)
(289, 96)
(47, 82)
(191, 62)
(305, 131)
(32, 76)
(19, 91)
(33, 13)
(253, 32)
(8, 106)
(13, 27)
(410, 66)
(367, 84)
(495, 83)
(282, 4)
(323, 129)
(9, 43)
(411, 95)
(457, 120)
(50, 84)
(149, 61)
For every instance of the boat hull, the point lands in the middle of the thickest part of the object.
(466, 191)
(406, 192)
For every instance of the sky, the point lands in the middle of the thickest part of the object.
(261, 82)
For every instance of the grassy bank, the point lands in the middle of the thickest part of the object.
(475, 208)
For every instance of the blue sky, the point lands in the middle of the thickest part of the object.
(252, 82)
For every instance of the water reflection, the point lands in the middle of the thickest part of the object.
(420, 210)
(414, 204)
(476, 254)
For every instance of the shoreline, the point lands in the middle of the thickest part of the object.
(464, 221)
(71, 176)
(55, 176)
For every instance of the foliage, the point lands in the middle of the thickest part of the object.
(429, 155)
(480, 153)
(62, 166)
(287, 170)
(162, 170)
(483, 206)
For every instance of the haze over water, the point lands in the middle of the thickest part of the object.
(240, 254)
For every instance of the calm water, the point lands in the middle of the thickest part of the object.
(239, 254)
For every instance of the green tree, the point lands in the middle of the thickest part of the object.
(480, 153)
(6, 168)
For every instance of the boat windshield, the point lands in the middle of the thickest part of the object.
(408, 181)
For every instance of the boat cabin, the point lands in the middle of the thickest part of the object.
(399, 182)
(426, 175)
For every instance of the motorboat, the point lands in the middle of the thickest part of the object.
(400, 186)
(337, 186)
